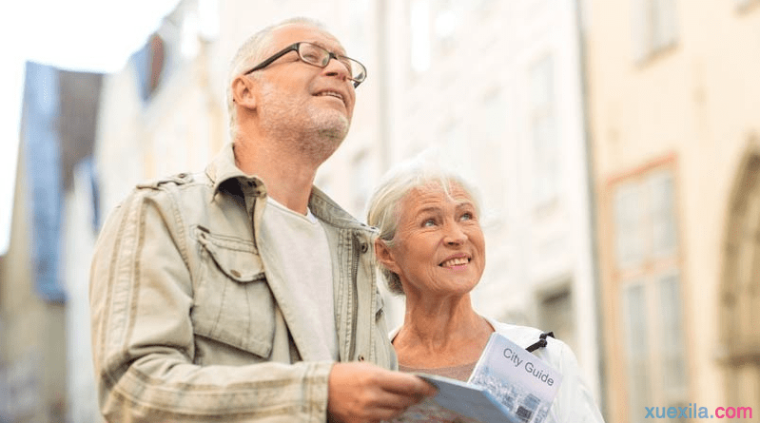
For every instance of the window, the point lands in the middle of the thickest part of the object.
(644, 220)
(189, 43)
(434, 26)
(741, 4)
(492, 127)
(662, 214)
(654, 26)
(458, 150)
(654, 345)
(544, 132)
(208, 13)
(637, 348)
(359, 44)
(671, 338)
(628, 224)
(447, 20)
(557, 316)
(419, 17)
(647, 273)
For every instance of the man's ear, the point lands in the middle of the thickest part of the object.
(385, 256)
(244, 92)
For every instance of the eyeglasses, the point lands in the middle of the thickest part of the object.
(318, 56)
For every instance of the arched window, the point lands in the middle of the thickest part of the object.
(740, 285)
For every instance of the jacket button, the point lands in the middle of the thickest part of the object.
(365, 247)
(235, 273)
(361, 358)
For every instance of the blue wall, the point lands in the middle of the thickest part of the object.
(42, 147)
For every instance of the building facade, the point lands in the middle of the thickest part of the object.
(159, 116)
(674, 95)
(45, 374)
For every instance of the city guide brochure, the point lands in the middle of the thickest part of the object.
(508, 384)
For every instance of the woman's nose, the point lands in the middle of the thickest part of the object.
(454, 235)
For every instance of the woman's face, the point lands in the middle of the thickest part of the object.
(438, 247)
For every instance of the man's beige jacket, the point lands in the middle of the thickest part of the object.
(191, 321)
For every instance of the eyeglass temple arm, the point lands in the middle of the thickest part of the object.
(269, 61)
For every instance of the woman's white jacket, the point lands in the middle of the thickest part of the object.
(574, 402)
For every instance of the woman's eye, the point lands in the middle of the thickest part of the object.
(428, 223)
(467, 216)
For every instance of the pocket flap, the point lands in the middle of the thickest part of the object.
(232, 303)
(236, 259)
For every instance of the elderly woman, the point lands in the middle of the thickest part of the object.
(431, 249)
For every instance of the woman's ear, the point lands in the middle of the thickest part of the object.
(385, 256)
(244, 92)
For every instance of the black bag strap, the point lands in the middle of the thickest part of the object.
(541, 342)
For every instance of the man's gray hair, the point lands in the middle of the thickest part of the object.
(383, 207)
(253, 50)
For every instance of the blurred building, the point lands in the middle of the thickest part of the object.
(674, 99)
(159, 116)
(41, 380)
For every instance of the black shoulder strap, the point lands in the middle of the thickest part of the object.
(541, 342)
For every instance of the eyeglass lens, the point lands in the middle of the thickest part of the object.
(318, 56)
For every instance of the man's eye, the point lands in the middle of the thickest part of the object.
(428, 223)
(467, 216)
(311, 57)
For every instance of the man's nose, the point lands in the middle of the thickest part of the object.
(337, 68)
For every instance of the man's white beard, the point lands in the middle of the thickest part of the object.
(321, 134)
(314, 132)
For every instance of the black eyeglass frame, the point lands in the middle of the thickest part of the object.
(295, 47)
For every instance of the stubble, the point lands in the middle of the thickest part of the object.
(313, 131)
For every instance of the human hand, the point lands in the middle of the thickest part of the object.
(363, 392)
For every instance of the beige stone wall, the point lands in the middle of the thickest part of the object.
(33, 331)
(694, 105)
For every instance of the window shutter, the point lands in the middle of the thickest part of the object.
(639, 26)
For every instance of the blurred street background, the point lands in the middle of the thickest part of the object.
(615, 144)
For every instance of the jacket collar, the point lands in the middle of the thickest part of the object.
(327, 210)
(223, 168)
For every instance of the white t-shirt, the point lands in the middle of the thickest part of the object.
(301, 242)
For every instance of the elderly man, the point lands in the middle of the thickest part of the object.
(243, 293)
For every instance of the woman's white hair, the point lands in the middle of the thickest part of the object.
(251, 51)
(419, 173)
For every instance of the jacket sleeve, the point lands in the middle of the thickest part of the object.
(141, 295)
(574, 402)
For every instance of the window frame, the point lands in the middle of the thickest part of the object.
(648, 274)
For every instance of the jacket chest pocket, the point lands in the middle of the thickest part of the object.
(232, 301)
